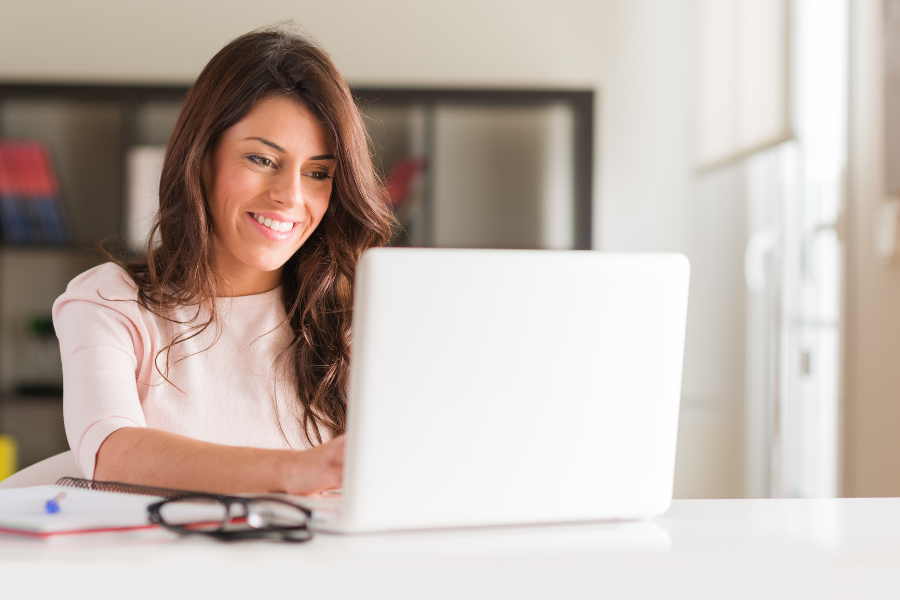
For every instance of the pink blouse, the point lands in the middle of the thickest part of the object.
(222, 384)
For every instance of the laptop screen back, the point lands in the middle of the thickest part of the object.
(498, 387)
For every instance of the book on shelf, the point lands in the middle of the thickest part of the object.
(405, 187)
(31, 210)
(8, 455)
(402, 179)
(144, 169)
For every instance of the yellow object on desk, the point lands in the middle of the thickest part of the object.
(7, 456)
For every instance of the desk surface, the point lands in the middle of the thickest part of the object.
(847, 548)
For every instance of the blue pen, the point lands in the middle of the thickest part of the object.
(52, 506)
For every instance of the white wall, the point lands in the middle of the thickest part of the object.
(638, 54)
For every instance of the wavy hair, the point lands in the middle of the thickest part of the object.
(179, 267)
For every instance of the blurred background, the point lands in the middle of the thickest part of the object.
(758, 137)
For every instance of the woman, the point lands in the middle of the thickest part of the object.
(219, 360)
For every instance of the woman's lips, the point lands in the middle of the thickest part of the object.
(278, 236)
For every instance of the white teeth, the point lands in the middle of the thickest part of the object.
(274, 224)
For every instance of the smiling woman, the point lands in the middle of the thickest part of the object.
(219, 359)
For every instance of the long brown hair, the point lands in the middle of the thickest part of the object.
(179, 266)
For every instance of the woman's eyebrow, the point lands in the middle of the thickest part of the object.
(283, 151)
(269, 143)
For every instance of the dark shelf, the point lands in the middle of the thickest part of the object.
(128, 97)
(91, 91)
(49, 247)
(19, 399)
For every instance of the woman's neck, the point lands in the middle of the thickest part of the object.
(237, 278)
(246, 281)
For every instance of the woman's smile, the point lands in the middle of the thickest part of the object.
(274, 227)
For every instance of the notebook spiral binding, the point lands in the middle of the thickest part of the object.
(127, 488)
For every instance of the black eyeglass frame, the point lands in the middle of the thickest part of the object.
(301, 533)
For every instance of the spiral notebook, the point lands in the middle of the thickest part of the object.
(88, 507)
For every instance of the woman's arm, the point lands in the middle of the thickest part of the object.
(159, 458)
(107, 349)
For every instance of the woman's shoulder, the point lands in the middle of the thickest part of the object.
(106, 285)
(108, 281)
(100, 308)
(96, 300)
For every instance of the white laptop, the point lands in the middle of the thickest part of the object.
(502, 387)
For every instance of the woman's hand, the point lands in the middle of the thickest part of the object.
(315, 470)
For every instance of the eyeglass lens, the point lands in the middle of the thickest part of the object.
(263, 514)
(212, 514)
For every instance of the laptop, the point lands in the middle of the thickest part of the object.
(508, 387)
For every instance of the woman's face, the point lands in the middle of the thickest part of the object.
(268, 180)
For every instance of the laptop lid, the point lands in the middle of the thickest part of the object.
(495, 387)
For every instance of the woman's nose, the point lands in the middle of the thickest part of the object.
(287, 189)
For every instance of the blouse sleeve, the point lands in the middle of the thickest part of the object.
(102, 338)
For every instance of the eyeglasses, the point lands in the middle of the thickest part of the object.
(233, 518)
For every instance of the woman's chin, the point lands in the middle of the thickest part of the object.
(269, 266)
(266, 262)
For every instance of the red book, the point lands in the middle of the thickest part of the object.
(6, 182)
(49, 186)
(30, 206)
(401, 179)
(34, 170)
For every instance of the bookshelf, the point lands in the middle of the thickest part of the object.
(499, 168)
(488, 138)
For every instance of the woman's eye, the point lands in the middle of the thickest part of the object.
(262, 161)
(319, 175)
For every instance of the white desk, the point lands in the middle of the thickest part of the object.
(700, 549)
